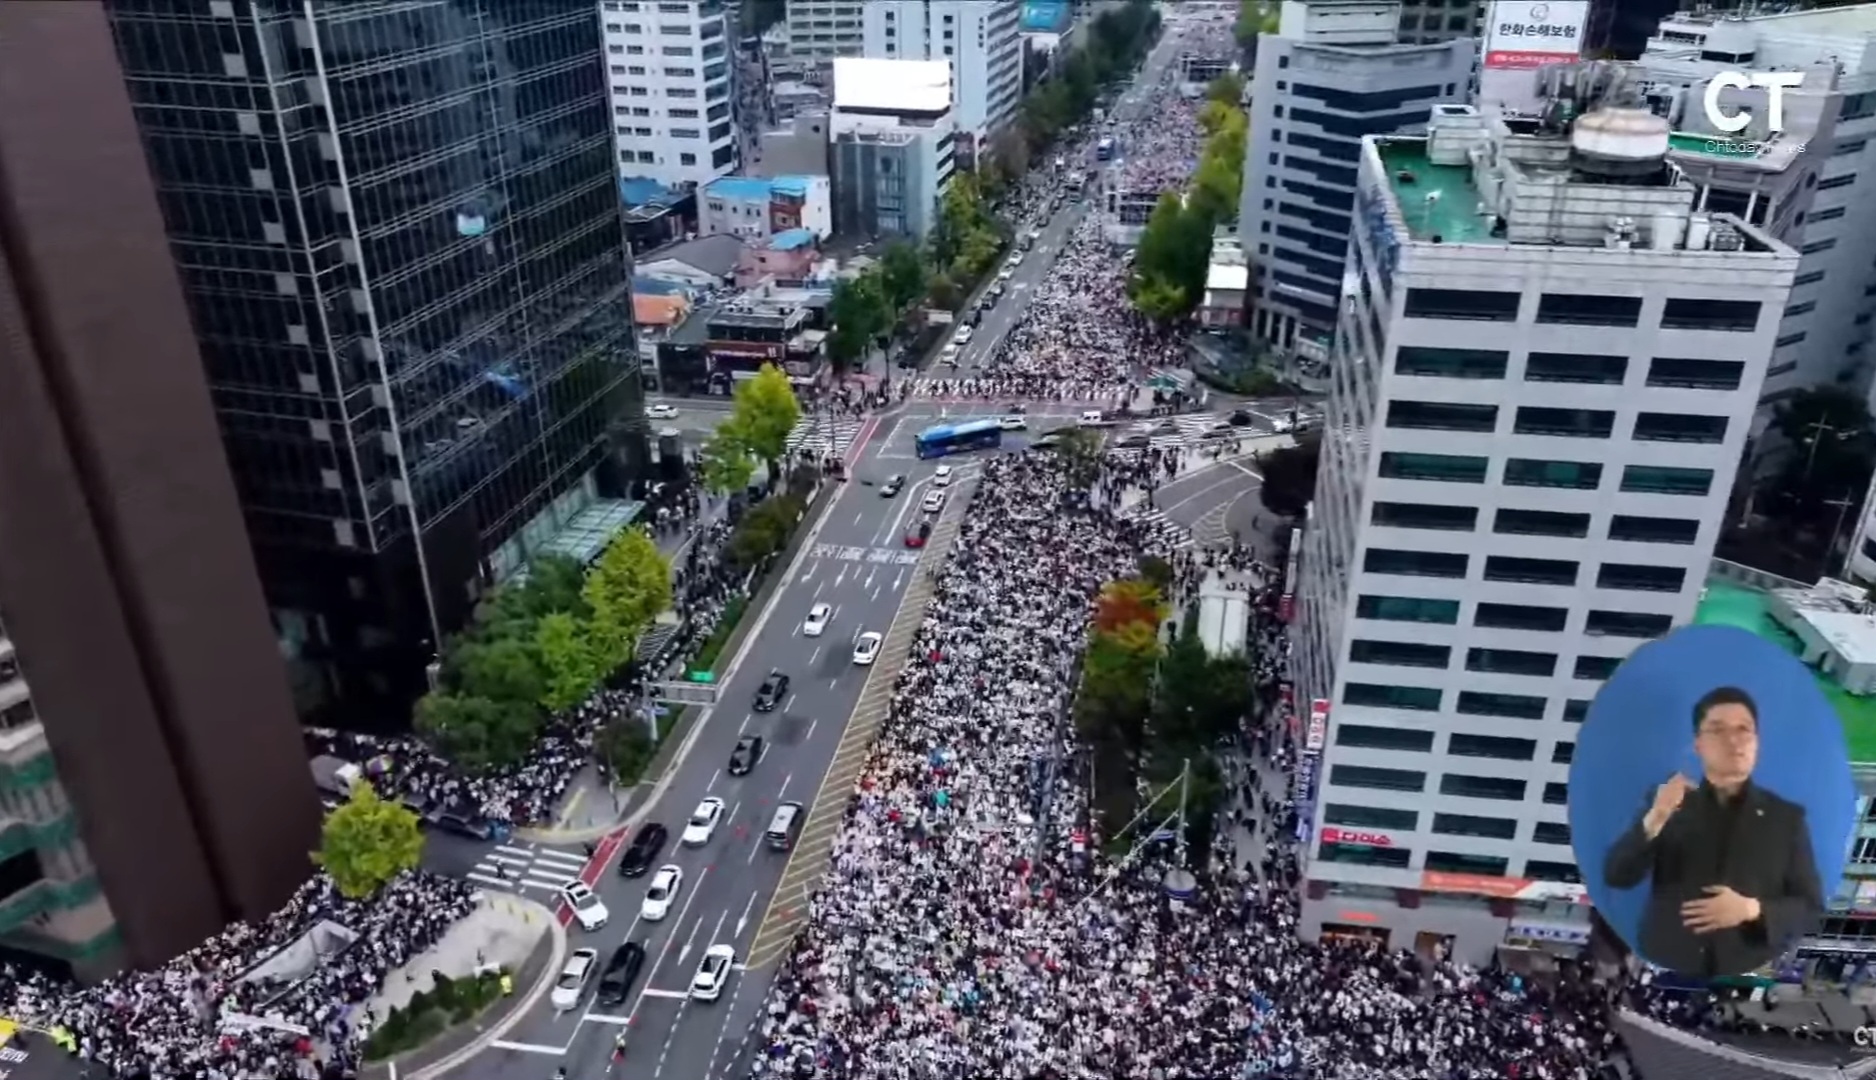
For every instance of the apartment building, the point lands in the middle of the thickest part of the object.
(818, 31)
(1547, 362)
(891, 145)
(670, 72)
(981, 41)
(1332, 73)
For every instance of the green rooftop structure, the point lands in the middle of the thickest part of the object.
(1730, 601)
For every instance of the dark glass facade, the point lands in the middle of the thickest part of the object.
(401, 237)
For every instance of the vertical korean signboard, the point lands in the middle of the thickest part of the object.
(1308, 763)
(1522, 36)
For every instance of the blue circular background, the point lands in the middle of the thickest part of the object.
(1640, 730)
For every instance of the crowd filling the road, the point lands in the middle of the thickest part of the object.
(211, 1014)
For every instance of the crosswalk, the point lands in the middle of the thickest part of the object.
(511, 867)
(1187, 428)
(1176, 536)
(822, 436)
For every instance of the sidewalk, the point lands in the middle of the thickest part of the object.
(1190, 461)
(507, 931)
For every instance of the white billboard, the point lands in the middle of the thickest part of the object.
(1522, 35)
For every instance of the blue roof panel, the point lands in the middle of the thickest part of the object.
(739, 188)
(791, 239)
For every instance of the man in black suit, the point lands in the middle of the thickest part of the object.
(1731, 876)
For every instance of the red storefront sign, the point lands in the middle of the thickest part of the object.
(1356, 837)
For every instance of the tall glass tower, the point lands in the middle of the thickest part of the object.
(399, 229)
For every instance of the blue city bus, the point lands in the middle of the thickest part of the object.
(958, 438)
(1104, 150)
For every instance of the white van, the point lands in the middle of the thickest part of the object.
(1092, 418)
(781, 831)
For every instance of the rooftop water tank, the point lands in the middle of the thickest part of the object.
(1616, 143)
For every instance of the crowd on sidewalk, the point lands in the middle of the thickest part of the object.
(195, 1017)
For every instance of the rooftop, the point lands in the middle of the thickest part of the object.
(739, 188)
(1436, 200)
(918, 86)
(642, 190)
(1728, 602)
(792, 239)
(796, 186)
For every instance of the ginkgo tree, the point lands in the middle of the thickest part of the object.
(366, 842)
(626, 589)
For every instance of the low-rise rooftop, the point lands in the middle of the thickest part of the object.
(739, 188)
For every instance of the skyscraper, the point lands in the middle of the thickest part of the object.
(401, 240)
(1547, 362)
(152, 783)
(673, 105)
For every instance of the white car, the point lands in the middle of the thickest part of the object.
(571, 986)
(818, 617)
(866, 648)
(661, 411)
(588, 910)
(703, 822)
(1016, 258)
(950, 354)
(942, 477)
(934, 502)
(964, 335)
(1006, 273)
(712, 972)
(665, 885)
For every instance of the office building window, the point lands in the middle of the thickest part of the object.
(1548, 870)
(1461, 785)
(1666, 480)
(1407, 609)
(1521, 617)
(1679, 427)
(1556, 794)
(1695, 374)
(1468, 304)
(1575, 710)
(1351, 816)
(1641, 578)
(1630, 624)
(1562, 752)
(1449, 468)
(1512, 662)
(1517, 569)
(1653, 530)
(1450, 363)
(1575, 368)
(1486, 828)
(1566, 423)
(1438, 564)
(1596, 667)
(1497, 747)
(1383, 696)
(1365, 855)
(1374, 779)
(1399, 653)
(1540, 523)
(1582, 309)
(1509, 706)
(1738, 316)
(1369, 737)
(1441, 416)
(1575, 475)
(1425, 516)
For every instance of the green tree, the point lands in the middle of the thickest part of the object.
(902, 275)
(1290, 476)
(857, 314)
(766, 411)
(504, 670)
(725, 460)
(764, 530)
(1226, 89)
(628, 586)
(944, 293)
(573, 665)
(476, 734)
(367, 842)
(1081, 451)
(1171, 260)
(553, 584)
(627, 749)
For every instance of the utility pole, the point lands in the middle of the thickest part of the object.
(1843, 504)
(1185, 791)
(1817, 429)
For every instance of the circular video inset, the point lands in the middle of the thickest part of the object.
(1711, 801)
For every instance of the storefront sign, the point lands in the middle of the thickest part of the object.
(1318, 731)
(1503, 888)
(1356, 837)
(1577, 935)
(747, 350)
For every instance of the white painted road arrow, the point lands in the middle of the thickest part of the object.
(742, 921)
(691, 940)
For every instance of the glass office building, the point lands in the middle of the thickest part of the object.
(399, 230)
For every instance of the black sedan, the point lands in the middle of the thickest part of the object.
(748, 751)
(892, 486)
(643, 850)
(1242, 418)
(772, 692)
(615, 983)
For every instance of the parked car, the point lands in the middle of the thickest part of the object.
(661, 412)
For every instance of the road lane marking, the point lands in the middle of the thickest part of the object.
(665, 951)
(529, 1048)
(668, 995)
(714, 777)
(487, 880)
(815, 656)
(509, 860)
(744, 726)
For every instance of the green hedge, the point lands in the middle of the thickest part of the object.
(430, 1013)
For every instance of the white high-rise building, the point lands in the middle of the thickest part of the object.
(673, 100)
(1547, 362)
(982, 40)
(820, 31)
